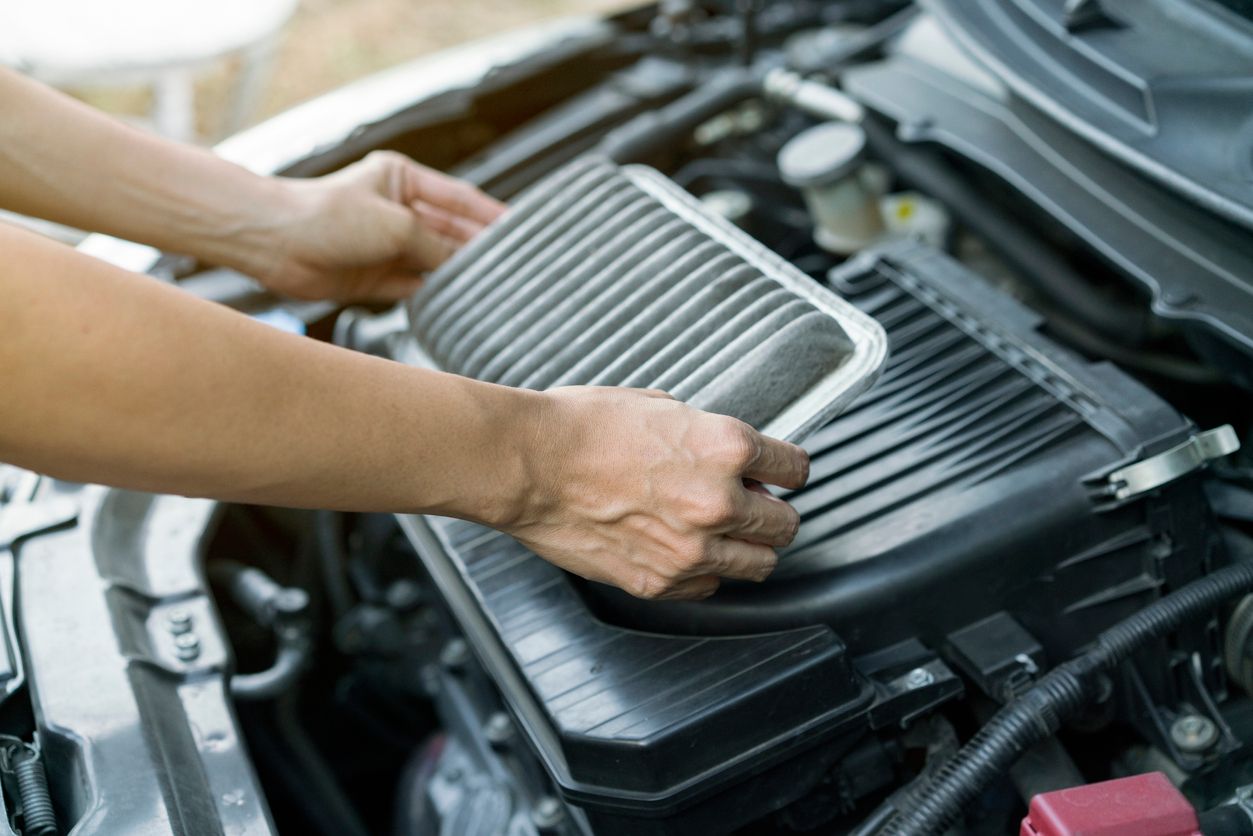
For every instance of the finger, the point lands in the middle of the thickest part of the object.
(738, 559)
(454, 196)
(393, 287)
(778, 463)
(693, 589)
(656, 393)
(425, 249)
(450, 226)
(764, 519)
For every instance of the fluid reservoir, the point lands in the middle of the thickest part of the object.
(826, 164)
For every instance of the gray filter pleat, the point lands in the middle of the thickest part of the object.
(576, 360)
(472, 290)
(695, 320)
(514, 275)
(780, 370)
(584, 308)
(457, 279)
(614, 276)
(660, 326)
(514, 316)
(602, 347)
(734, 340)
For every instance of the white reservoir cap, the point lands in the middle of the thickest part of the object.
(822, 155)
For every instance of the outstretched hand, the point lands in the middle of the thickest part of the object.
(372, 230)
(633, 488)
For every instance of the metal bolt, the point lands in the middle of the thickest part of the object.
(187, 646)
(454, 655)
(498, 729)
(918, 678)
(547, 813)
(403, 595)
(290, 601)
(1193, 733)
(179, 621)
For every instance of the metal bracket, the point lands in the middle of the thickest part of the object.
(20, 520)
(1145, 475)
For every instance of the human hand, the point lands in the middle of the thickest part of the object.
(370, 231)
(638, 490)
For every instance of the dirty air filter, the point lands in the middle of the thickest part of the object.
(614, 276)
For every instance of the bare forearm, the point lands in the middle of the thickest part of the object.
(66, 162)
(112, 377)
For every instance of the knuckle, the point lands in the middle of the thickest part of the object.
(649, 586)
(737, 443)
(793, 524)
(768, 564)
(691, 556)
(802, 461)
(714, 510)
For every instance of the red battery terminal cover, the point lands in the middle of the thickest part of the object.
(1142, 805)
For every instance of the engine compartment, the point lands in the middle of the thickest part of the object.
(1062, 332)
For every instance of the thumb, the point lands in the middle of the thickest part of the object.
(394, 287)
(420, 248)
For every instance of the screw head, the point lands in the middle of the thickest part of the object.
(918, 678)
(1193, 733)
(187, 646)
(547, 813)
(290, 601)
(498, 729)
(179, 621)
(403, 595)
(454, 655)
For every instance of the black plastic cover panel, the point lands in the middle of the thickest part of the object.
(966, 482)
(1164, 85)
(631, 720)
(613, 276)
(1197, 266)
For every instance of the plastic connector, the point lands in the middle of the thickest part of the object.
(1142, 805)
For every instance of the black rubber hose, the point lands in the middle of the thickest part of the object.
(38, 816)
(275, 606)
(1228, 820)
(289, 663)
(858, 44)
(329, 535)
(1038, 713)
(657, 131)
(1033, 258)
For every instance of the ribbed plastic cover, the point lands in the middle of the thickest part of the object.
(614, 276)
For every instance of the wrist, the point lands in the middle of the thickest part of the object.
(525, 463)
(507, 478)
(252, 234)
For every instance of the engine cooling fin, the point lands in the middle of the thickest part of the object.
(614, 276)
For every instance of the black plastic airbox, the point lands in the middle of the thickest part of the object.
(635, 725)
(969, 481)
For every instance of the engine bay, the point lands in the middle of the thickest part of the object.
(1029, 533)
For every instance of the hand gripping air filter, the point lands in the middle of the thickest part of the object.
(614, 276)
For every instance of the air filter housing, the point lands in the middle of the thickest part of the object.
(614, 276)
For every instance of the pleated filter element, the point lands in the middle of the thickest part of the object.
(615, 276)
